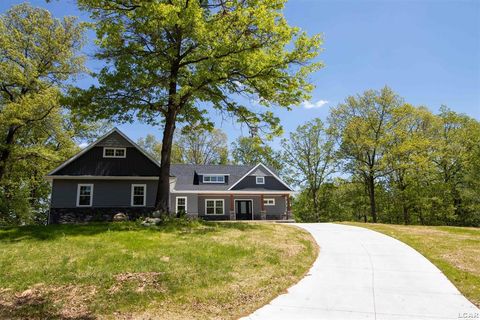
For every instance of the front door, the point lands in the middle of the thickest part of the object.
(243, 209)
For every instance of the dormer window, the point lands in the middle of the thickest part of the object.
(114, 152)
(260, 180)
(213, 178)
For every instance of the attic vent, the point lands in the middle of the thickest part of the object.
(260, 180)
(114, 152)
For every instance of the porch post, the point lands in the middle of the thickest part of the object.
(263, 212)
(232, 208)
(289, 209)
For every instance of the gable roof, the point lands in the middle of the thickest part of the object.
(185, 175)
(85, 150)
(256, 167)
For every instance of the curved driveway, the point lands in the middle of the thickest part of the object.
(363, 274)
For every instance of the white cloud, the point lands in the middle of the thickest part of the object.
(309, 105)
(83, 145)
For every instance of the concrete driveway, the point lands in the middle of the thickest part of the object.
(362, 274)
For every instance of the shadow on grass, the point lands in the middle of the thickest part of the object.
(35, 307)
(52, 232)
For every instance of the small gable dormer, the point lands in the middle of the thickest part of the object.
(212, 178)
(260, 178)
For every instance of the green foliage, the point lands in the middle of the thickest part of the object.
(254, 150)
(201, 146)
(168, 62)
(363, 126)
(310, 155)
(154, 148)
(396, 163)
(38, 56)
(207, 50)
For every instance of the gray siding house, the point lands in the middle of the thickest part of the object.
(115, 175)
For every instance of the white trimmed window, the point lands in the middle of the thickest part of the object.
(139, 195)
(181, 204)
(84, 195)
(213, 178)
(260, 180)
(214, 206)
(269, 201)
(114, 152)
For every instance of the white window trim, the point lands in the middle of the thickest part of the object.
(215, 207)
(263, 178)
(115, 151)
(176, 203)
(144, 195)
(78, 194)
(265, 202)
(213, 175)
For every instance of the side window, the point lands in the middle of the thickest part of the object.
(84, 195)
(181, 204)
(139, 192)
(260, 180)
(269, 201)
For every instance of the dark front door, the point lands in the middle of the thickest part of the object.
(243, 209)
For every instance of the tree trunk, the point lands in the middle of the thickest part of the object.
(163, 189)
(6, 151)
(371, 195)
(406, 216)
(315, 203)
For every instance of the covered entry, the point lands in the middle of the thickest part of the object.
(244, 209)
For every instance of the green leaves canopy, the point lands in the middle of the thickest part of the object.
(167, 56)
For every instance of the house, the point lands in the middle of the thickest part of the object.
(115, 175)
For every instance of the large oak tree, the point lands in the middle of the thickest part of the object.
(169, 61)
(38, 54)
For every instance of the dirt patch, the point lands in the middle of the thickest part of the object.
(52, 302)
(142, 280)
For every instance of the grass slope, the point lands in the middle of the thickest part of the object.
(454, 250)
(188, 270)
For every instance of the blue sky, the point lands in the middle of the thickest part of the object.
(428, 51)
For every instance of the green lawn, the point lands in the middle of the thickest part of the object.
(183, 270)
(454, 250)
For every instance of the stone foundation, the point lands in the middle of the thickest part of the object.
(83, 215)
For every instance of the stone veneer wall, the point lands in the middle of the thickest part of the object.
(82, 215)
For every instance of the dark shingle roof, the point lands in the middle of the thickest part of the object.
(185, 174)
